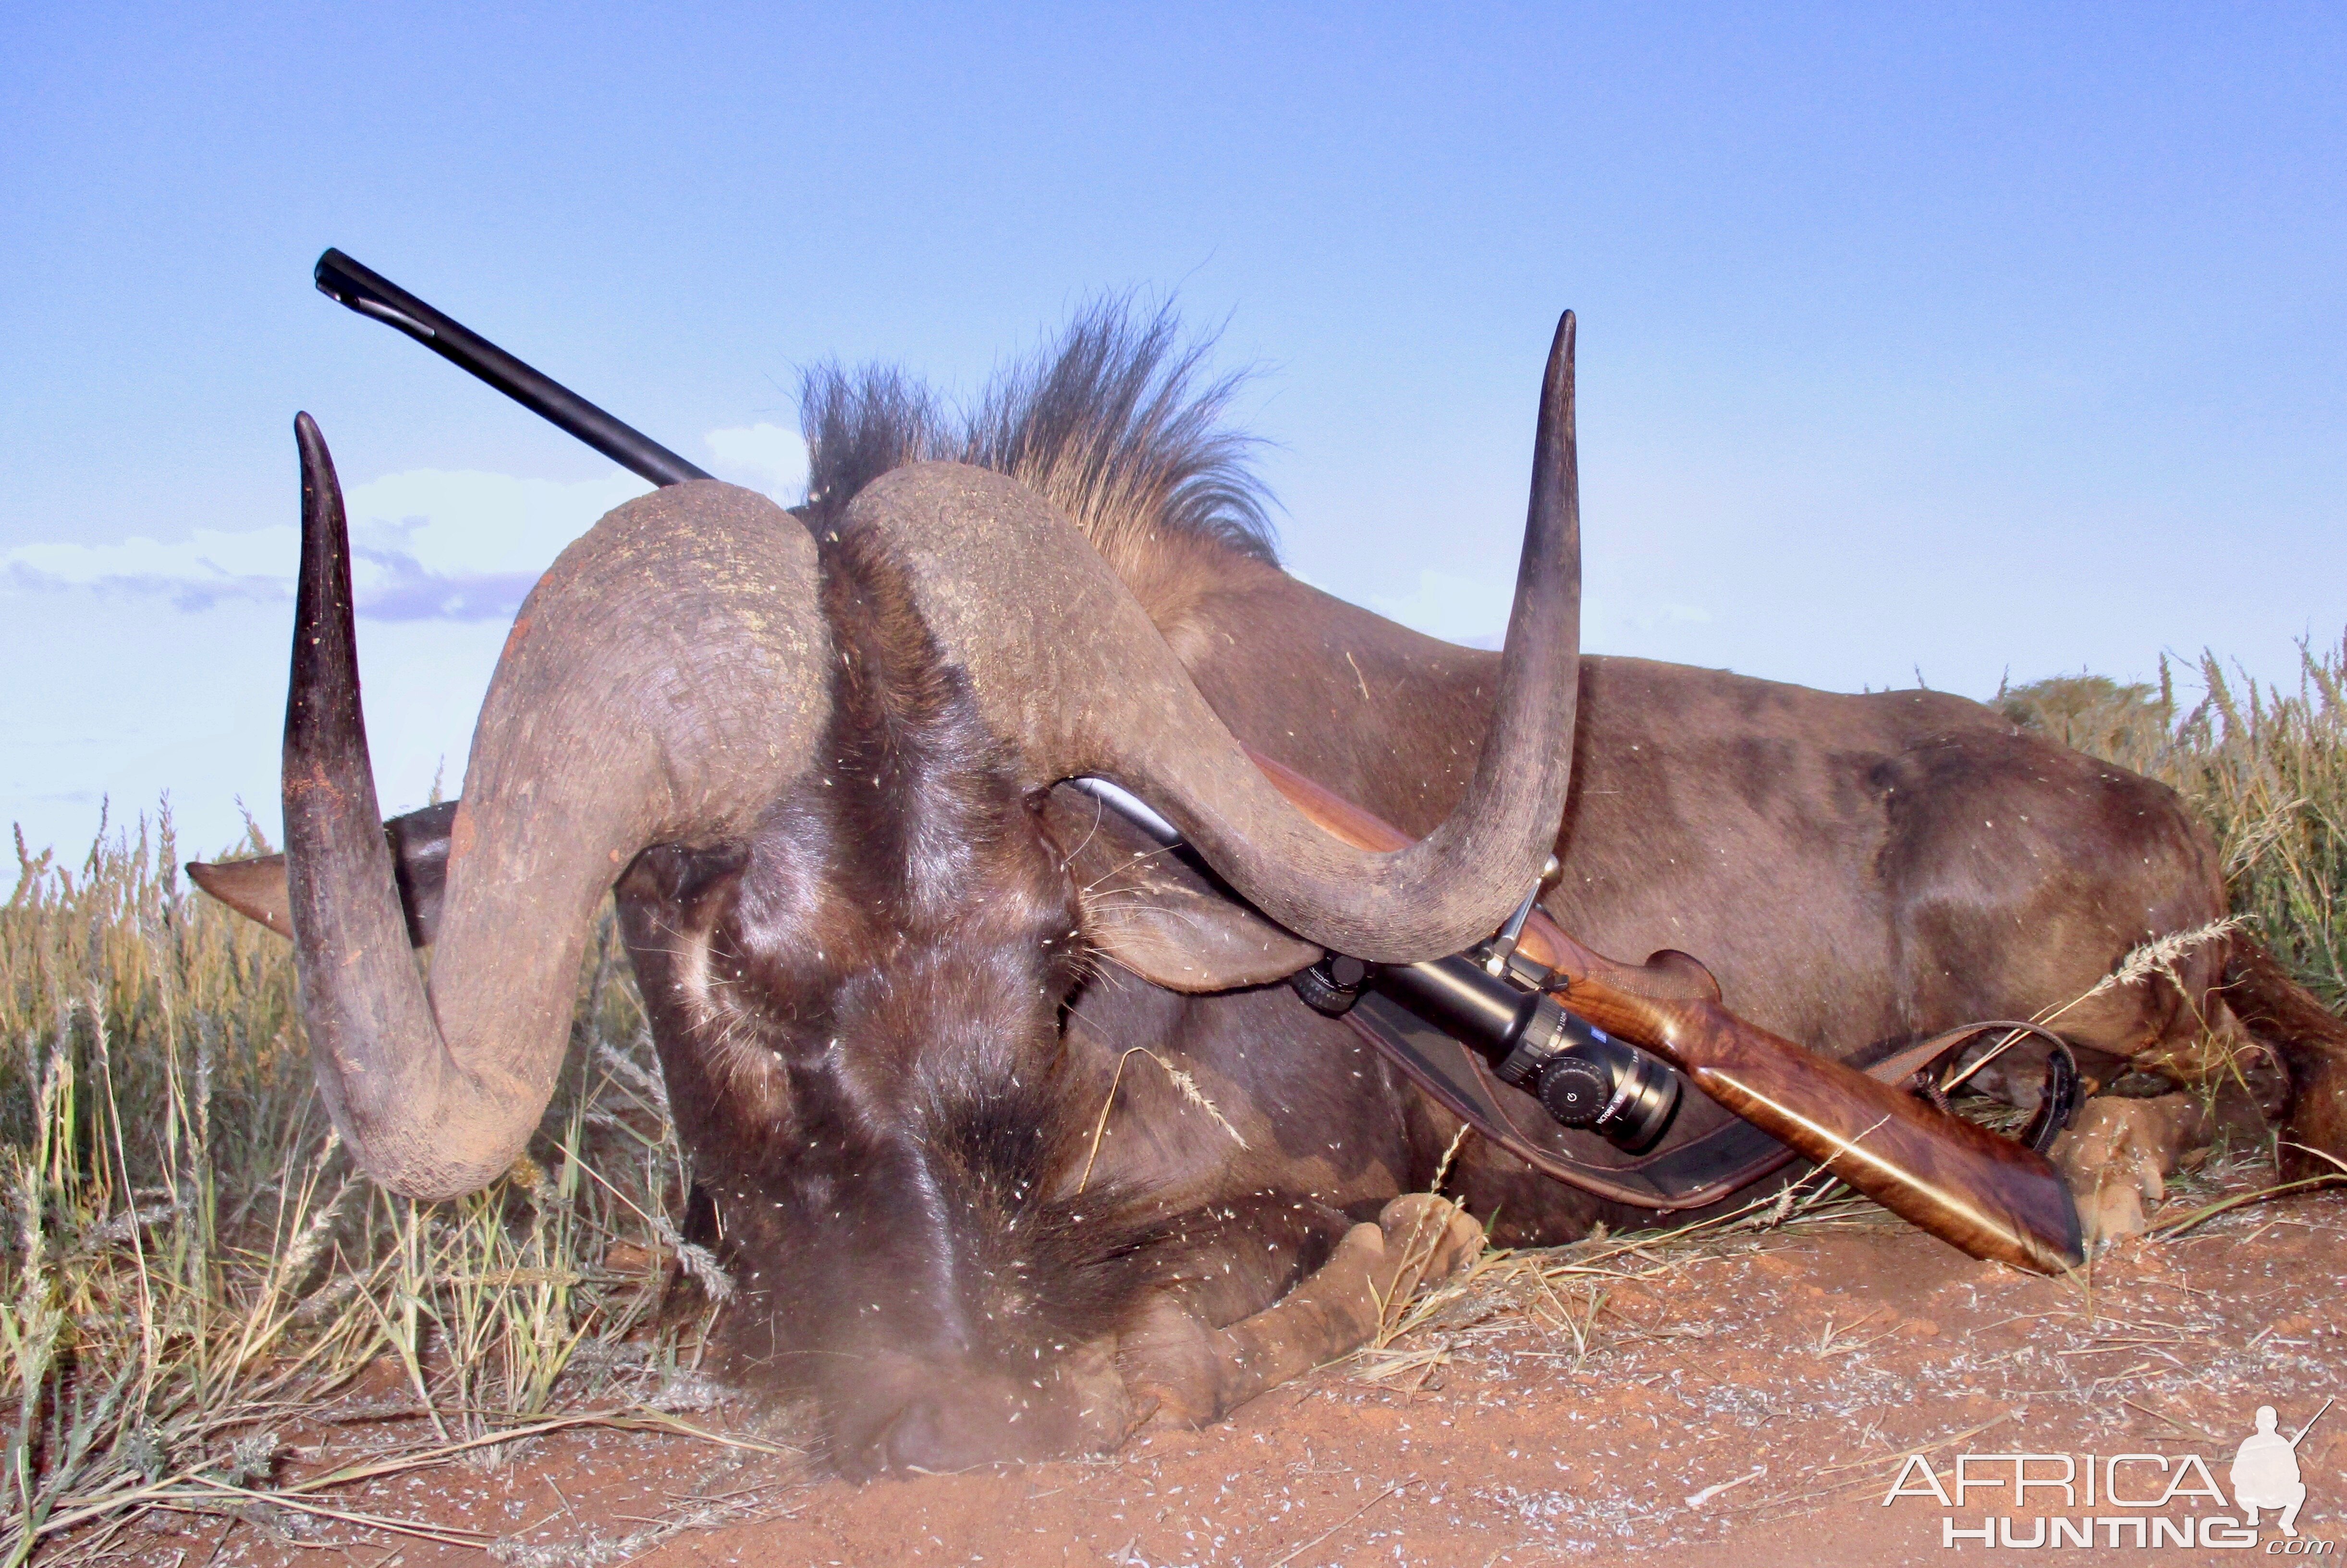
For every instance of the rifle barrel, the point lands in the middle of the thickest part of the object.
(370, 293)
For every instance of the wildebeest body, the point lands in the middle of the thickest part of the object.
(1852, 868)
(987, 1193)
(1806, 844)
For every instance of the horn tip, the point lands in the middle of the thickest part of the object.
(319, 485)
(1561, 352)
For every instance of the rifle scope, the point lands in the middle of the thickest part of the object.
(1584, 1077)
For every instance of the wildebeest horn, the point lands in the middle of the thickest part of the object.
(661, 684)
(1065, 661)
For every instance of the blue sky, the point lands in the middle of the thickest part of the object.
(1958, 341)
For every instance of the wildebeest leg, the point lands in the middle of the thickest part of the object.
(2253, 1047)
(2311, 1040)
(2117, 1154)
(1194, 1372)
(1228, 1260)
(2253, 1051)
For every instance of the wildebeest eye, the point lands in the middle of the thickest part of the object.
(687, 876)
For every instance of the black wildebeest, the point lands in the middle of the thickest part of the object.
(892, 971)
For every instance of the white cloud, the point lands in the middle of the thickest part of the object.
(428, 544)
(762, 457)
(196, 572)
(465, 546)
(176, 678)
(469, 522)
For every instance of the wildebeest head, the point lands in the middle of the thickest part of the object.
(817, 765)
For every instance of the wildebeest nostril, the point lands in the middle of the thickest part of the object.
(915, 1441)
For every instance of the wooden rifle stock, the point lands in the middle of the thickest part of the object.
(1988, 1196)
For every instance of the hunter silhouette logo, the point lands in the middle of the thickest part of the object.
(2139, 1500)
(2265, 1470)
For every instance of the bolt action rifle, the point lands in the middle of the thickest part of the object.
(1584, 1036)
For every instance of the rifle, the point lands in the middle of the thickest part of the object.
(1561, 1038)
(1988, 1196)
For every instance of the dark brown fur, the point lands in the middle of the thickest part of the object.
(858, 1014)
(1853, 868)
(941, 1143)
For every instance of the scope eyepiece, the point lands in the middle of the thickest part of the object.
(1576, 1090)
(1331, 986)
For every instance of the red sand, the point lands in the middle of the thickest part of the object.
(1747, 1404)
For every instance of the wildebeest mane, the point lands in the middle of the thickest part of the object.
(859, 425)
(1119, 422)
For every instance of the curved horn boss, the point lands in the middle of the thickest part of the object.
(661, 684)
(1065, 661)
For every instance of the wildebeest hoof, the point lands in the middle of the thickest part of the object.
(2116, 1157)
(1197, 1375)
(1427, 1240)
(1173, 1366)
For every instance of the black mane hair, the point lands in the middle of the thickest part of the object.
(1118, 423)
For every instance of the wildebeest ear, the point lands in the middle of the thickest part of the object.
(255, 888)
(1160, 913)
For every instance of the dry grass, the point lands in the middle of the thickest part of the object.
(1565, 1291)
(2265, 768)
(192, 1265)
